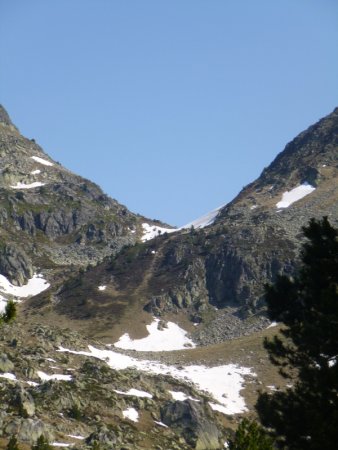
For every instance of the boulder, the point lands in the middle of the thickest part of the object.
(6, 364)
(191, 419)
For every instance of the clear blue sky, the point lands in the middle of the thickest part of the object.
(171, 106)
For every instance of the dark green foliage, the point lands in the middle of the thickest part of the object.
(250, 436)
(10, 312)
(42, 444)
(75, 412)
(12, 444)
(306, 415)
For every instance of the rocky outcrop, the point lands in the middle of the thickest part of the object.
(190, 418)
(6, 364)
(15, 264)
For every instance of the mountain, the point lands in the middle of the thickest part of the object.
(124, 327)
(211, 279)
(51, 219)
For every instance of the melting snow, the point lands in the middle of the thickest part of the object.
(224, 383)
(204, 221)
(102, 288)
(74, 436)
(170, 338)
(135, 393)
(272, 324)
(56, 376)
(36, 172)
(42, 161)
(161, 424)
(60, 444)
(34, 286)
(8, 376)
(151, 231)
(28, 186)
(181, 396)
(290, 197)
(131, 414)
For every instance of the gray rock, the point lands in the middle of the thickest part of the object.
(6, 364)
(28, 430)
(104, 437)
(191, 419)
(25, 402)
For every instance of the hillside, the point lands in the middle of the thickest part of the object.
(210, 279)
(133, 335)
(53, 221)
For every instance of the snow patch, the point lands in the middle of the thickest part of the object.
(272, 325)
(42, 161)
(134, 393)
(151, 231)
(299, 192)
(55, 376)
(223, 383)
(204, 221)
(36, 172)
(34, 286)
(60, 444)
(130, 414)
(170, 338)
(181, 396)
(27, 186)
(102, 288)
(74, 436)
(8, 376)
(161, 424)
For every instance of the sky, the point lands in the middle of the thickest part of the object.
(171, 106)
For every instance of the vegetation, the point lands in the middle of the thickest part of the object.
(10, 312)
(12, 444)
(250, 436)
(305, 416)
(42, 444)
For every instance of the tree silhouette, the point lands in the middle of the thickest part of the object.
(305, 416)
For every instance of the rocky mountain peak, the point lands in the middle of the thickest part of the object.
(4, 117)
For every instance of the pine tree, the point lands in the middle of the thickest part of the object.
(42, 444)
(10, 312)
(12, 444)
(306, 415)
(250, 436)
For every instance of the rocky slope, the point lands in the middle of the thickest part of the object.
(214, 276)
(50, 217)
(209, 280)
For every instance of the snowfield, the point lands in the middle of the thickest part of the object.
(151, 231)
(34, 286)
(56, 376)
(204, 221)
(134, 393)
(27, 186)
(159, 340)
(42, 161)
(223, 383)
(299, 192)
(130, 414)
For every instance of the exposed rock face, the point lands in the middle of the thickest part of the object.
(15, 264)
(190, 418)
(28, 430)
(51, 216)
(6, 364)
